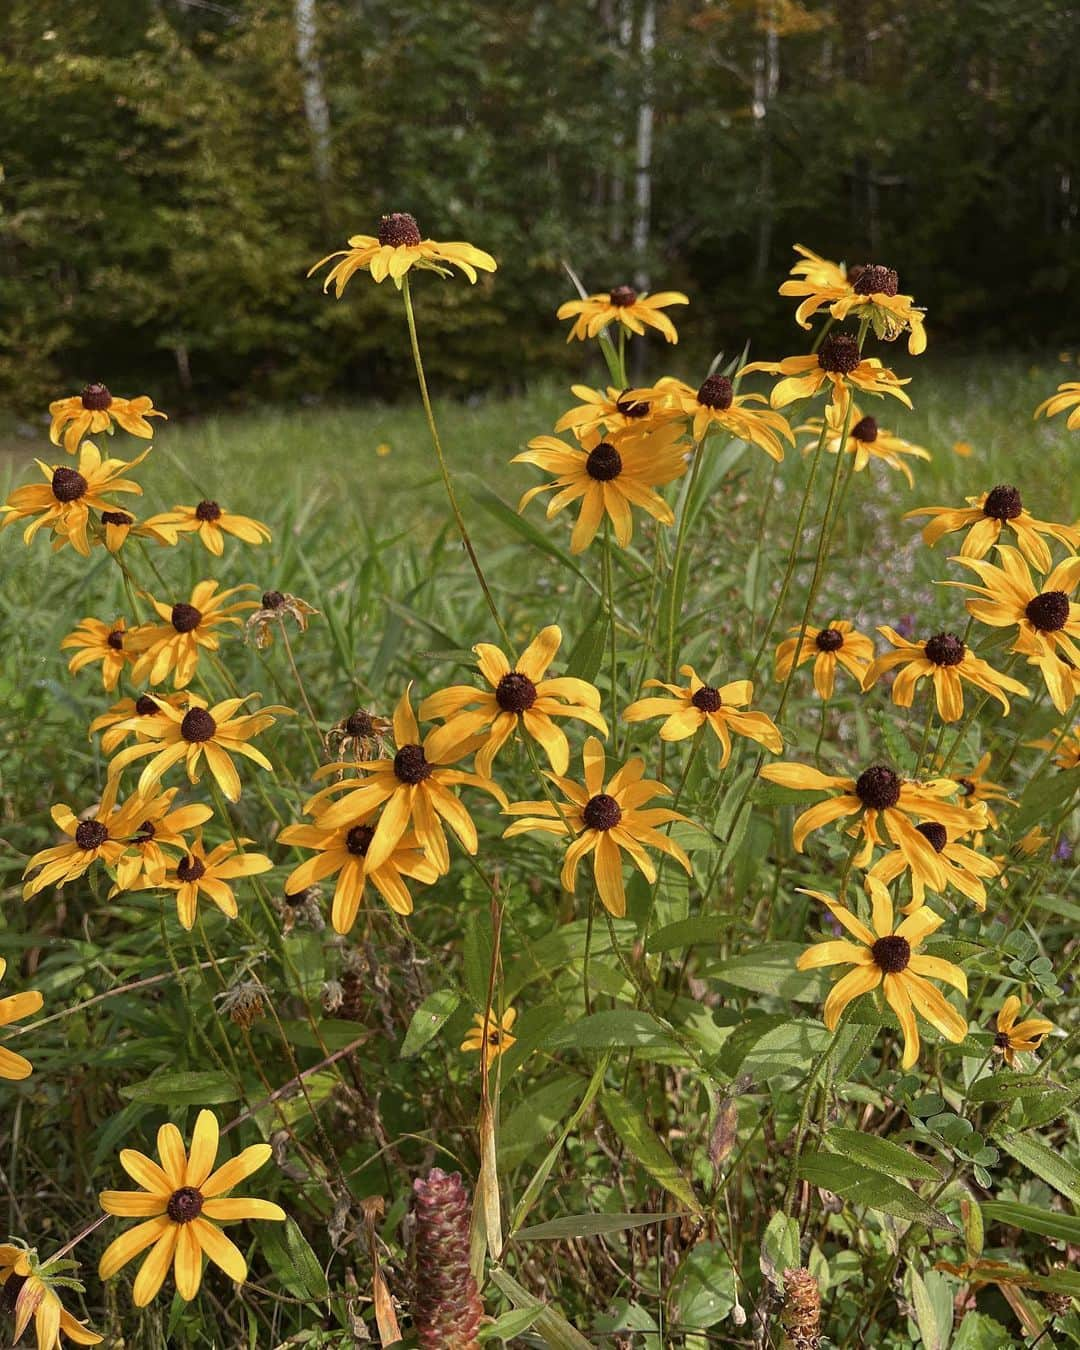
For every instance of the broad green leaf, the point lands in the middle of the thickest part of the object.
(557, 950)
(1030, 1218)
(1007, 1087)
(510, 1324)
(861, 1185)
(585, 657)
(770, 969)
(1045, 1162)
(614, 1028)
(979, 1332)
(639, 1137)
(476, 954)
(535, 1117)
(1042, 799)
(292, 1260)
(589, 1225)
(552, 1326)
(779, 1248)
(428, 1020)
(204, 1087)
(703, 1290)
(788, 1048)
(932, 1302)
(697, 932)
(881, 1154)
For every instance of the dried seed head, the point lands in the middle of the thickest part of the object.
(68, 485)
(446, 1306)
(891, 954)
(1003, 502)
(198, 725)
(935, 832)
(411, 766)
(208, 511)
(185, 618)
(1049, 612)
(622, 296)
(399, 230)
(515, 693)
(604, 463)
(359, 725)
(873, 279)
(865, 430)
(945, 649)
(829, 640)
(184, 1205)
(717, 392)
(90, 834)
(801, 1314)
(878, 787)
(601, 812)
(707, 699)
(272, 599)
(839, 354)
(95, 398)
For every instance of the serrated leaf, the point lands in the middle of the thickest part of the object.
(881, 1154)
(861, 1185)
(638, 1136)
(428, 1020)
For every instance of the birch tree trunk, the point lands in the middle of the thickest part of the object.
(643, 158)
(316, 108)
(766, 84)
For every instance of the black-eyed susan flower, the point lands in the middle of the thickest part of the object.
(342, 852)
(520, 698)
(837, 362)
(1066, 748)
(887, 955)
(867, 291)
(413, 790)
(14, 1008)
(837, 642)
(161, 827)
(622, 305)
(64, 501)
(1067, 396)
(613, 412)
(699, 704)
(115, 724)
(978, 791)
(1047, 622)
(104, 642)
(608, 480)
(275, 607)
(173, 647)
(716, 406)
(878, 796)
(211, 523)
(362, 733)
(181, 1202)
(965, 868)
(866, 440)
(95, 410)
(98, 836)
(215, 733)
(28, 1290)
(1013, 1037)
(490, 1035)
(200, 873)
(605, 819)
(396, 248)
(987, 515)
(817, 271)
(944, 659)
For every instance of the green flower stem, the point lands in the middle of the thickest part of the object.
(677, 559)
(804, 1114)
(303, 694)
(609, 601)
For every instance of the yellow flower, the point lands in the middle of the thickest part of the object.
(215, 733)
(115, 526)
(988, 514)
(701, 704)
(521, 699)
(606, 820)
(94, 411)
(622, 305)
(14, 1008)
(963, 866)
(101, 836)
(838, 362)
(102, 642)
(211, 523)
(609, 480)
(947, 661)
(173, 646)
(716, 405)
(613, 413)
(964, 449)
(882, 956)
(868, 292)
(1035, 839)
(398, 247)
(343, 851)
(979, 790)
(1015, 1037)
(1066, 750)
(116, 723)
(160, 825)
(201, 873)
(837, 642)
(816, 270)
(64, 500)
(490, 1034)
(878, 794)
(1047, 623)
(413, 789)
(1067, 396)
(866, 440)
(182, 1201)
(28, 1290)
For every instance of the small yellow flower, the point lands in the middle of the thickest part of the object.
(837, 362)
(978, 790)
(94, 411)
(963, 448)
(174, 646)
(160, 826)
(716, 405)
(104, 642)
(181, 1202)
(14, 1008)
(987, 515)
(28, 1290)
(116, 723)
(211, 524)
(612, 413)
(606, 820)
(1015, 1037)
(866, 441)
(699, 705)
(1067, 396)
(868, 291)
(964, 868)
(397, 248)
(1066, 749)
(1031, 843)
(888, 956)
(382, 449)
(947, 661)
(490, 1034)
(837, 642)
(101, 836)
(201, 873)
(622, 305)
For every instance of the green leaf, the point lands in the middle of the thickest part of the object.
(1045, 1162)
(204, 1087)
(861, 1185)
(779, 1248)
(979, 1332)
(617, 1028)
(1042, 799)
(589, 1225)
(630, 1124)
(1007, 1087)
(770, 969)
(503, 512)
(428, 1020)
(585, 657)
(292, 1260)
(476, 955)
(1032, 1219)
(932, 1301)
(510, 1324)
(881, 1154)
(698, 932)
(555, 1329)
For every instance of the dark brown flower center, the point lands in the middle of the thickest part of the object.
(190, 868)
(839, 354)
(706, 699)
(878, 787)
(873, 279)
(604, 463)
(185, 1204)
(115, 640)
(90, 834)
(410, 765)
(935, 833)
(272, 600)
(623, 296)
(967, 786)
(944, 649)
(198, 725)
(359, 838)
(516, 693)
(359, 725)
(116, 518)
(717, 392)
(68, 485)
(145, 706)
(891, 954)
(185, 618)
(1001, 1040)
(1049, 611)
(865, 430)
(829, 640)
(399, 229)
(298, 898)
(96, 398)
(1003, 502)
(601, 812)
(629, 407)
(146, 832)
(208, 511)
